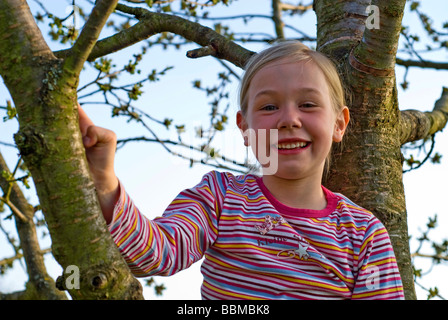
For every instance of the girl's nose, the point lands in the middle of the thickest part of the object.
(290, 118)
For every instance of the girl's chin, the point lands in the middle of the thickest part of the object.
(292, 171)
(286, 174)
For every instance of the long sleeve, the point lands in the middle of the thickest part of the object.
(378, 275)
(180, 237)
(256, 248)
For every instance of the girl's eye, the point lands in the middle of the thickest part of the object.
(307, 105)
(269, 107)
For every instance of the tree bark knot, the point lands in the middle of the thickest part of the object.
(355, 63)
(31, 145)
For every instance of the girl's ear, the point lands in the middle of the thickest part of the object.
(341, 124)
(242, 125)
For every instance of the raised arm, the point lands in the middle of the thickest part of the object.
(100, 145)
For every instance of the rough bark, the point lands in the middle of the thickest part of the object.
(417, 125)
(277, 19)
(40, 285)
(44, 92)
(369, 168)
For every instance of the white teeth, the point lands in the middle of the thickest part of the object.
(291, 145)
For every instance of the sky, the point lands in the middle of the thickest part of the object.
(153, 177)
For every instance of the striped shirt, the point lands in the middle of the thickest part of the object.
(255, 247)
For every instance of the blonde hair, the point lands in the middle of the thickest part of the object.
(294, 51)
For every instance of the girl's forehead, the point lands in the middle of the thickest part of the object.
(288, 62)
(287, 71)
(296, 71)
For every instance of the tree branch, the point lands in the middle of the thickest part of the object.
(417, 125)
(337, 36)
(303, 8)
(18, 31)
(277, 18)
(423, 64)
(432, 256)
(18, 256)
(153, 23)
(238, 166)
(17, 295)
(379, 46)
(19, 215)
(202, 52)
(40, 285)
(89, 35)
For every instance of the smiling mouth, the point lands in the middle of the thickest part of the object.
(292, 145)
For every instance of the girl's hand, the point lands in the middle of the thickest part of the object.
(100, 145)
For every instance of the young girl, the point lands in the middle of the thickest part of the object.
(279, 236)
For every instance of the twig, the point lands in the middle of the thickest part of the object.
(428, 155)
(432, 256)
(423, 64)
(14, 209)
(202, 52)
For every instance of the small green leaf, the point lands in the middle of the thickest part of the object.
(11, 111)
(414, 5)
(167, 122)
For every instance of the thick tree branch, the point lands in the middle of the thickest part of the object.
(379, 46)
(153, 23)
(277, 18)
(365, 57)
(22, 47)
(89, 35)
(40, 284)
(417, 125)
(423, 64)
(340, 26)
(18, 31)
(50, 143)
(303, 8)
(17, 295)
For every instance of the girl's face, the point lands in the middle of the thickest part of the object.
(293, 99)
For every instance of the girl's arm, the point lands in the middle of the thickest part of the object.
(176, 240)
(164, 245)
(378, 274)
(100, 145)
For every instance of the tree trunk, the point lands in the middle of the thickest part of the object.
(369, 167)
(49, 140)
